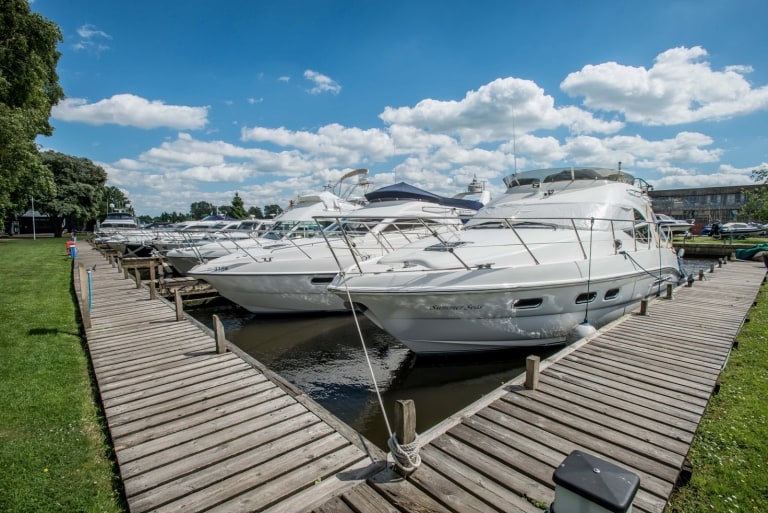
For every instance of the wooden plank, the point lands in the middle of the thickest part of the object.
(497, 494)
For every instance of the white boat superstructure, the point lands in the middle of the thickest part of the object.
(296, 222)
(561, 248)
(292, 274)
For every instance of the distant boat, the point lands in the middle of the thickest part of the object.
(118, 220)
(740, 229)
(669, 224)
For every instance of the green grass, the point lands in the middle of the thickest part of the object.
(730, 452)
(54, 455)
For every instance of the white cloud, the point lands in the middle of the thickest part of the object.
(91, 39)
(335, 144)
(496, 111)
(323, 84)
(681, 87)
(131, 110)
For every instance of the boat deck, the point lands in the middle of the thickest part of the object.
(194, 430)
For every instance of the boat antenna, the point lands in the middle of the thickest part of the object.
(589, 270)
(514, 143)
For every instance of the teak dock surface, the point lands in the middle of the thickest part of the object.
(194, 430)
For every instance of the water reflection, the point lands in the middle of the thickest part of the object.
(323, 356)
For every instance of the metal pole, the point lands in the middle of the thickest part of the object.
(34, 233)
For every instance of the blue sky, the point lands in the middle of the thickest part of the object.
(185, 101)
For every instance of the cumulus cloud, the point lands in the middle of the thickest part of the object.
(131, 110)
(91, 39)
(335, 144)
(680, 87)
(323, 83)
(495, 111)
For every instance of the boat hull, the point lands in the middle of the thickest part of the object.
(278, 293)
(462, 318)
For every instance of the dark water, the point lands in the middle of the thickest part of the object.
(323, 356)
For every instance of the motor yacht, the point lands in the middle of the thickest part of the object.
(292, 273)
(561, 249)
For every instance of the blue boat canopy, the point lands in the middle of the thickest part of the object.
(403, 190)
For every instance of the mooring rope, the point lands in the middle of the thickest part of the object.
(406, 457)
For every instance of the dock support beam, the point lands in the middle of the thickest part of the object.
(219, 335)
(701, 274)
(669, 291)
(532, 372)
(643, 307)
(405, 427)
(179, 305)
(152, 284)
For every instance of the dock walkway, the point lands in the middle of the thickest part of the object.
(194, 430)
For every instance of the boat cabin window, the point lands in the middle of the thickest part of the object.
(585, 297)
(527, 303)
(641, 229)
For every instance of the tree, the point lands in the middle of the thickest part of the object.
(272, 211)
(201, 209)
(756, 205)
(237, 210)
(79, 191)
(255, 212)
(29, 88)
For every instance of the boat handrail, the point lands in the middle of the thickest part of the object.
(639, 234)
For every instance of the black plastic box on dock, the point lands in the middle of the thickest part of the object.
(588, 484)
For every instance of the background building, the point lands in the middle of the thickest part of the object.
(704, 205)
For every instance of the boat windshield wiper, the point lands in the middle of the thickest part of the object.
(532, 224)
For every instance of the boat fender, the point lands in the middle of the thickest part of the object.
(584, 329)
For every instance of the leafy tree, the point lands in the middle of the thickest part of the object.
(272, 211)
(237, 210)
(201, 209)
(79, 190)
(255, 212)
(173, 217)
(29, 88)
(756, 204)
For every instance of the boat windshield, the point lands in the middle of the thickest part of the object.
(295, 229)
(537, 177)
(551, 215)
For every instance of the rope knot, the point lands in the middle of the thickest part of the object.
(406, 456)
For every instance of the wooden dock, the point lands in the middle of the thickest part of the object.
(194, 430)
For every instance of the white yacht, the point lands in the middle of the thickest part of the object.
(292, 274)
(562, 248)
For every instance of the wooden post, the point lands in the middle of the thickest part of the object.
(405, 426)
(137, 274)
(152, 285)
(179, 305)
(111, 260)
(644, 307)
(711, 268)
(532, 372)
(669, 291)
(219, 335)
(119, 264)
(701, 274)
(719, 262)
(405, 421)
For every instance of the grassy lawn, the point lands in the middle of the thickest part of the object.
(53, 452)
(730, 452)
